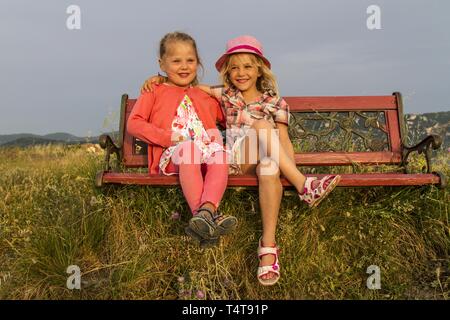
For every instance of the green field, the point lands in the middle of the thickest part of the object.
(129, 245)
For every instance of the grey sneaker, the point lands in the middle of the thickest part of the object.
(204, 243)
(212, 224)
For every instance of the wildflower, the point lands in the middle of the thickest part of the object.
(93, 201)
(200, 294)
(180, 279)
(228, 283)
(175, 215)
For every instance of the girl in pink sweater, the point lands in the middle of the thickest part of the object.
(178, 121)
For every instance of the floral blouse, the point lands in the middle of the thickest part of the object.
(188, 124)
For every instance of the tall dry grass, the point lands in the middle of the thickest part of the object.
(129, 244)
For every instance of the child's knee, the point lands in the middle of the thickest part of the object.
(262, 124)
(267, 169)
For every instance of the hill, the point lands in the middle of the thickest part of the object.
(421, 125)
(28, 139)
(35, 140)
(62, 136)
(6, 138)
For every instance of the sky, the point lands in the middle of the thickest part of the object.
(56, 79)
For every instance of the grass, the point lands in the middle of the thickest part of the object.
(128, 245)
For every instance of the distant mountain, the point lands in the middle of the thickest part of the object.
(62, 136)
(27, 139)
(421, 125)
(11, 137)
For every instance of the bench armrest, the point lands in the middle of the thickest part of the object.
(110, 147)
(431, 142)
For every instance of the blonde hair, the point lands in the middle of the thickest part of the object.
(177, 37)
(267, 80)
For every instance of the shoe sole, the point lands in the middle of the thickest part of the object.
(269, 282)
(229, 228)
(203, 227)
(204, 243)
(208, 230)
(333, 184)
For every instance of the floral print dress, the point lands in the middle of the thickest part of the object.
(188, 124)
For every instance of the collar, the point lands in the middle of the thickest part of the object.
(236, 98)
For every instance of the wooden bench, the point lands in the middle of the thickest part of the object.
(355, 131)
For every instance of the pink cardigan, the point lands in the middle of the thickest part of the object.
(152, 116)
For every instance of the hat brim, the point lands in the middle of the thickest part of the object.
(220, 62)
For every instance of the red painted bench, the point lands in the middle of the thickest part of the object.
(356, 131)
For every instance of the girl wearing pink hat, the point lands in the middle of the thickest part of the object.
(257, 125)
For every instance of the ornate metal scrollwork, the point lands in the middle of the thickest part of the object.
(339, 131)
(108, 144)
(425, 146)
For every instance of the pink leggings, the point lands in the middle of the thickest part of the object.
(200, 183)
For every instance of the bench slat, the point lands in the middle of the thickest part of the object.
(348, 180)
(341, 103)
(331, 103)
(346, 158)
(312, 158)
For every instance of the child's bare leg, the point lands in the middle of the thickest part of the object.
(269, 141)
(270, 193)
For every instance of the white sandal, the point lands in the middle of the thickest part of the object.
(313, 196)
(274, 268)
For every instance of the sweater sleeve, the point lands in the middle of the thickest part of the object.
(139, 126)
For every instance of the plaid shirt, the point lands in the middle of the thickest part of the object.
(240, 115)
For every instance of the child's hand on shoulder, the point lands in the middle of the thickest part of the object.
(147, 86)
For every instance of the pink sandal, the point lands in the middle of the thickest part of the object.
(274, 268)
(314, 195)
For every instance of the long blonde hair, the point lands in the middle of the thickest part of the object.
(265, 82)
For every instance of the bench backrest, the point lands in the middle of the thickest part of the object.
(335, 130)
